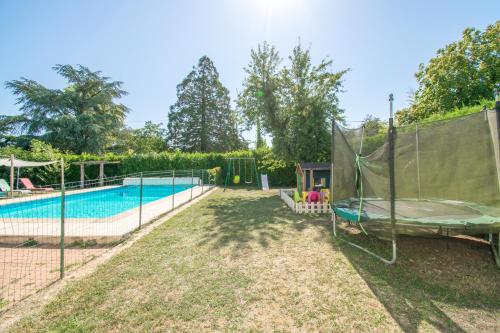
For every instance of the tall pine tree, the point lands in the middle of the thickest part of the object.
(202, 119)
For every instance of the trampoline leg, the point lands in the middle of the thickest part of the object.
(386, 261)
(496, 251)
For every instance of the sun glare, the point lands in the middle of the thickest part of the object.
(276, 8)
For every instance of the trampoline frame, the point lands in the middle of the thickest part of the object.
(384, 260)
(392, 260)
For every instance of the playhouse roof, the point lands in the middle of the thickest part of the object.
(314, 166)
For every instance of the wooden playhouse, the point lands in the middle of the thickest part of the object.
(312, 175)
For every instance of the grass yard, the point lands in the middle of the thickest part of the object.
(241, 261)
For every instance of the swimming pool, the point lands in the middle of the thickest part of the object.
(93, 204)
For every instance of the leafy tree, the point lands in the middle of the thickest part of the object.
(259, 100)
(41, 151)
(83, 117)
(311, 98)
(202, 119)
(373, 125)
(295, 105)
(375, 134)
(462, 74)
(148, 139)
(9, 125)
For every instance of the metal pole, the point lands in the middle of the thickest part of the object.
(418, 161)
(259, 185)
(192, 183)
(140, 202)
(173, 189)
(361, 143)
(202, 174)
(392, 188)
(82, 175)
(12, 175)
(61, 263)
(332, 155)
(492, 242)
(17, 179)
(101, 173)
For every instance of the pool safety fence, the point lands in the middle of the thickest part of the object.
(47, 231)
(303, 207)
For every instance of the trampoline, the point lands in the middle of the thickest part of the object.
(435, 178)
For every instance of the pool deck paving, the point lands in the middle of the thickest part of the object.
(95, 230)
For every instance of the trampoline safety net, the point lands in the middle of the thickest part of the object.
(446, 177)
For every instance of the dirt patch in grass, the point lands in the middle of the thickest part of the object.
(27, 270)
(242, 261)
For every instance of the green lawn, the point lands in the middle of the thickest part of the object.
(241, 261)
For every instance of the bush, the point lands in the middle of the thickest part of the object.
(280, 173)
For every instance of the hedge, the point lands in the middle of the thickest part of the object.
(280, 173)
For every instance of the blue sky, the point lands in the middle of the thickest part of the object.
(152, 45)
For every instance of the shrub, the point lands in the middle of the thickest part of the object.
(280, 173)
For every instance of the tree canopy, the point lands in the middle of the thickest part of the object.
(293, 104)
(463, 73)
(152, 138)
(202, 119)
(83, 117)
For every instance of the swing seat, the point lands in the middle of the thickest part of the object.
(236, 179)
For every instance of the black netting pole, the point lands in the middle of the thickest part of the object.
(497, 111)
(497, 114)
(392, 187)
(332, 153)
(192, 184)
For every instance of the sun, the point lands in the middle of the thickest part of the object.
(276, 7)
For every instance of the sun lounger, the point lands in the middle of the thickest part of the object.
(29, 186)
(5, 188)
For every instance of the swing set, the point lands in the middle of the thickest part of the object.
(242, 169)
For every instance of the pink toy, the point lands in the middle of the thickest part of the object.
(313, 196)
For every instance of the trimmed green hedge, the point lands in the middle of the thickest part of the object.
(280, 173)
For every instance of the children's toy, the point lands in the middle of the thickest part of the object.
(313, 196)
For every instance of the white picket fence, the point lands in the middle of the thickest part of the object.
(303, 207)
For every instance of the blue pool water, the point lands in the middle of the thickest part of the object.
(94, 204)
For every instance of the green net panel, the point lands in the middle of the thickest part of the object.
(446, 177)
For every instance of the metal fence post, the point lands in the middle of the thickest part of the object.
(192, 183)
(12, 175)
(173, 189)
(61, 242)
(202, 180)
(140, 201)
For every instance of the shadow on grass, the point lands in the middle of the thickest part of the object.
(248, 218)
(429, 275)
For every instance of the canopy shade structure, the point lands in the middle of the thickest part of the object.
(13, 163)
(434, 178)
(7, 162)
